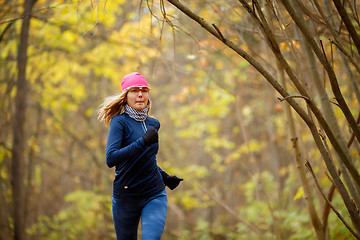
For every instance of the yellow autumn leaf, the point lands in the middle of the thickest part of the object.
(296, 44)
(299, 194)
(284, 46)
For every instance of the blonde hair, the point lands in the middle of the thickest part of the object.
(114, 105)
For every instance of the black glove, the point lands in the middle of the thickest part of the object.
(171, 181)
(151, 136)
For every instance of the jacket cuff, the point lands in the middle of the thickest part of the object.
(141, 142)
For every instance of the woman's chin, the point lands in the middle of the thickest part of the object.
(139, 107)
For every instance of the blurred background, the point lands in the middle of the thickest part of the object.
(223, 128)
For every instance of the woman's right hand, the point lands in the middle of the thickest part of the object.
(151, 136)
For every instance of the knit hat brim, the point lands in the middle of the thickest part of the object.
(134, 79)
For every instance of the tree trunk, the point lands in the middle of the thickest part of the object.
(19, 140)
(4, 214)
(319, 230)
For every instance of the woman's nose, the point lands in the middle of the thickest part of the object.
(140, 93)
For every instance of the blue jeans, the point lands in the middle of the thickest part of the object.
(127, 213)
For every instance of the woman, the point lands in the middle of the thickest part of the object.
(132, 146)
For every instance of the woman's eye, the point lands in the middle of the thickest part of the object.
(136, 90)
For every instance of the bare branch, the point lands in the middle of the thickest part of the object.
(6, 29)
(286, 98)
(352, 138)
(336, 90)
(269, 77)
(348, 55)
(232, 212)
(308, 165)
(218, 30)
(347, 21)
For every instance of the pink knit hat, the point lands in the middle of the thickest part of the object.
(133, 80)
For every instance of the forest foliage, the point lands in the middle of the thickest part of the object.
(224, 128)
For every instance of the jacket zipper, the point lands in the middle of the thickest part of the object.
(144, 126)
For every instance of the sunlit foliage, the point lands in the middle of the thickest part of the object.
(223, 128)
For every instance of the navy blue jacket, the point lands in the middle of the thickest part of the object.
(136, 172)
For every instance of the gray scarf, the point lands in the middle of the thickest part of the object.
(138, 115)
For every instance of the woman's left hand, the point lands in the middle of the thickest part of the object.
(172, 181)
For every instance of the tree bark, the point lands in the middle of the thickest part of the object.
(315, 220)
(19, 119)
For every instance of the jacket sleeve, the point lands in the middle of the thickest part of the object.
(163, 174)
(160, 170)
(115, 154)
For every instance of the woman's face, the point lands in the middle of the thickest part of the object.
(138, 97)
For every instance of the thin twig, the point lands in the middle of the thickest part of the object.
(348, 23)
(330, 195)
(289, 97)
(5, 30)
(227, 208)
(323, 50)
(332, 55)
(308, 165)
(335, 103)
(352, 138)
(347, 54)
(326, 210)
(218, 30)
